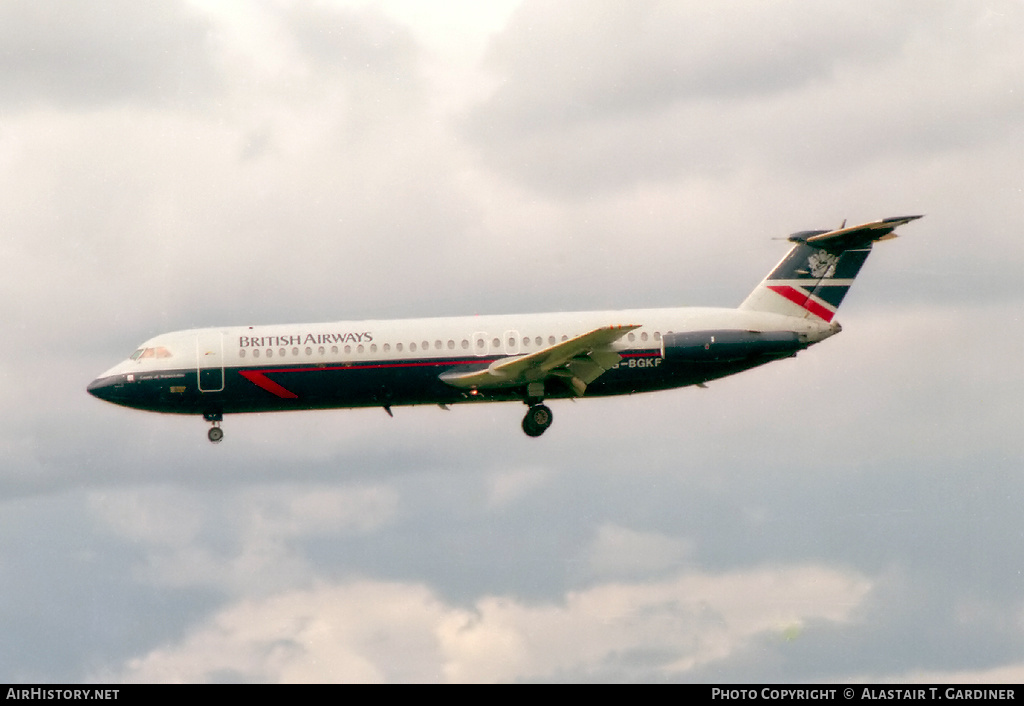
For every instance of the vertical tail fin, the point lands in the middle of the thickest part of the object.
(812, 279)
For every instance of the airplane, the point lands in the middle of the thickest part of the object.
(528, 358)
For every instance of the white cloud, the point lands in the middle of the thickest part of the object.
(160, 517)
(742, 86)
(620, 551)
(1006, 674)
(301, 511)
(360, 632)
(284, 161)
(507, 487)
(377, 631)
(246, 543)
(81, 55)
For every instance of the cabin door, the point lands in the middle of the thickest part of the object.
(210, 360)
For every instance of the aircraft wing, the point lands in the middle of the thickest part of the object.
(580, 361)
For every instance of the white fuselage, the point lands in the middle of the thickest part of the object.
(531, 357)
(469, 337)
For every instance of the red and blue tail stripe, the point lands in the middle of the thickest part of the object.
(815, 275)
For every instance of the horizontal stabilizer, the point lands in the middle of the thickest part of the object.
(853, 237)
(813, 278)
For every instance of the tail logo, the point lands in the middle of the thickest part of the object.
(823, 264)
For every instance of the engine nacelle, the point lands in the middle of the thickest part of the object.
(728, 345)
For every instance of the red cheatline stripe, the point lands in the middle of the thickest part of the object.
(261, 380)
(800, 299)
(305, 368)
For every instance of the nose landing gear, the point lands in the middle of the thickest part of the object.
(537, 420)
(215, 434)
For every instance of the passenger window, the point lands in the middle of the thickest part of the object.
(451, 344)
(539, 341)
(412, 346)
(295, 351)
(438, 345)
(551, 340)
(657, 335)
(334, 349)
(465, 344)
(309, 351)
(270, 353)
(359, 348)
(373, 347)
(643, 336)
(282, 352)
(256, 353)
(348, 349)
(632, 336)
(398, 347)
(320, 350)
(564, 338)
(426, 346)
(387, 347)
(241, 353)
(496, 343)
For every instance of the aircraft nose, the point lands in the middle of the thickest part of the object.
(104, 388)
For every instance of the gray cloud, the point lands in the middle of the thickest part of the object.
(354, 40)
(739, 85)
(586, 60)
(90, 54)
(337, 175)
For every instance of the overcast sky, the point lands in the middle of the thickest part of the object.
(852, 514)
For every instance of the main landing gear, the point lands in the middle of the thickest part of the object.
(216, 434)
(538, 417)
(537, 420)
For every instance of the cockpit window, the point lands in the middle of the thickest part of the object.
(158, 352)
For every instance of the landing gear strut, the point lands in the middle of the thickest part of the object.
(216, 434)
(538, 418)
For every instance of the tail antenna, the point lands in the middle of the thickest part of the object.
(844, 224)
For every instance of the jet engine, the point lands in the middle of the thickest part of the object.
(729, 345)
